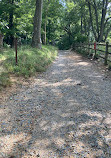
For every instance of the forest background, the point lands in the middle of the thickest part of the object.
(41, 23)
(63, 21)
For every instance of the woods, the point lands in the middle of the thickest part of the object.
(60, 22)
(35, 23)
(102, 27)
(55, 78)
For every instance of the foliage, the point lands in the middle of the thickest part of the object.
(66, 43)
(109, 67)
(61, 20)
(91, 19)
(80, 39)
(99, 15)
(4, 80)
(51, 21)
(30, 60)
(17, 19)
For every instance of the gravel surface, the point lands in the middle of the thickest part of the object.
(65, 113)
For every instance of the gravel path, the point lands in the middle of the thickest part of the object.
(65, 113)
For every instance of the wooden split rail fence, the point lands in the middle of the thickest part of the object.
(101, 50)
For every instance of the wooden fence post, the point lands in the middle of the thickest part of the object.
(106, 54)
(88, 48)
(73, 46)
(80, 46)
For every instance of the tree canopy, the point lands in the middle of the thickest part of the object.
(63, 22)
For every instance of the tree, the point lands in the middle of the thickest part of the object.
(11, 27)
(6, 16)
(1, 40)
(51, 22)
(36, 39)
(67, 19)
(99, 18)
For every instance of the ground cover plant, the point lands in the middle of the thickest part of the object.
(30, 61)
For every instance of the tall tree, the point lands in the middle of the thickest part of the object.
(99, 19)
(36, 39)
(11, 27)
(7, 19)
(52, 14)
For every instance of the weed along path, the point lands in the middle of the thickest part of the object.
(65, 113)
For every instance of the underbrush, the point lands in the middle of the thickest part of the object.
(4, 80)
(30, 60)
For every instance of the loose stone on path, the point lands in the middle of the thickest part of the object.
(64, 113)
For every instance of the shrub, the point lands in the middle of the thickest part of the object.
(66, 43)
(4, 80)
(81, 38)
(109, 67)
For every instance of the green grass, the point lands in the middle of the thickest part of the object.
(30, 60)
(98, 53)
(4, 80)
(103, 48)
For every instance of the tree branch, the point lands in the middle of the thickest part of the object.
(68, 31)
(104, 10)
(91, 19)
(107, 21)
(107, 32)
(96, 13)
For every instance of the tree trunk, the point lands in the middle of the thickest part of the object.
(97, 22)
(1, 40)
(36, 39)
(81, 24)
(49, 31)
(104, 9)
(91, 20)
(45, 32)
(11, 36)
(107, 32)
(45, 25)
(85, 26)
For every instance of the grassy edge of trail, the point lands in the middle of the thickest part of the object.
(30, 61)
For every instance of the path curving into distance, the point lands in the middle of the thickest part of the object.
(65, 113)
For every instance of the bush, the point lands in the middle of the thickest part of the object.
(109, 67)
(4, 80)
(81, 39)
(66, 43)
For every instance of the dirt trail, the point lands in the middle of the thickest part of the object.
(65, 113)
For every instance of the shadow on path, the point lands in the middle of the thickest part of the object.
(65, 113)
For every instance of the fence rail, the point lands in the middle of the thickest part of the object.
(96, 48)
